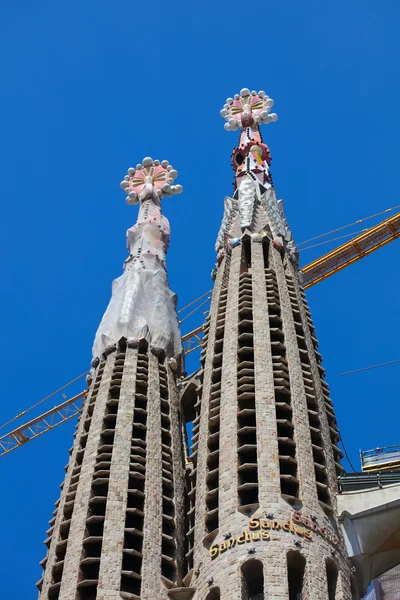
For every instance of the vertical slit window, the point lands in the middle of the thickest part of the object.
(93, 538)
(212, 476)
(283, 396)
(215, 594)
(134, 520)
(320, 469)
(191, 473)
(296, 564)
(226, 266)
(252, 580)
(245, 266)
(332, 578)
(332, 423)
(168, 543)
(246, 409)
(69, 503)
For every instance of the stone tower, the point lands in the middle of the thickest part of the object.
(264, 457)
(118, 526)
(259, 502)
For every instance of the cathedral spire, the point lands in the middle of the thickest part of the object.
(264, 461)
(142, 307)
(254, 207)
(118, 527)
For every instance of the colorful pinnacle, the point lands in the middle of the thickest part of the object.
(247, 109)
(159, 175)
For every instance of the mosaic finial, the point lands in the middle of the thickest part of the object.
(151, 175)
(247, 109)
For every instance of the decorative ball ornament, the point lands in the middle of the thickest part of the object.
(132, 198)
(247, 109)
(160, 175)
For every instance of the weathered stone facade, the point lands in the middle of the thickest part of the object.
(265, 444)
(118, 527)
(264, 449)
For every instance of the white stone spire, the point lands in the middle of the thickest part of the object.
(142, 306)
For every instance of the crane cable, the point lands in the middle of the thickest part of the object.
(194, 302)
(24, 412)
(391, 362)
(349, 225)
(358, 371)
(195, 310)
(346, 455)
(341, 237)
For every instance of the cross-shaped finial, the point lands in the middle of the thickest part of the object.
(247, 109)
(150, 173)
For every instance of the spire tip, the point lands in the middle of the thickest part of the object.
(247, 109)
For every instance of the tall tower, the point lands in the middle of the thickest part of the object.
(118, 526)
(265, 458)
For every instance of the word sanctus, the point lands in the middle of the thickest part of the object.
(259, 532)
(325, 532)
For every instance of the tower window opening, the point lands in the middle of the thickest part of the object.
(246, 254)
(296, 564)
(130, 585)
(212, 478)
(70, 497)
(88, 593)
(283, 396)
(225, 276)
(332, 577)
(215, 594)
(94, 527)
(133, 538)
(168, 565)
(190, 412)
(265, 247)
(191, 419)
(252, 580)
(246, 415)
(320, 468)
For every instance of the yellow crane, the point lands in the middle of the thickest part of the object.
(40, 425)
(318, 270)
(352, 251)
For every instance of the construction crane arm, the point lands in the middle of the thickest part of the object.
(193, 340)
(38, 426)
(351, 251)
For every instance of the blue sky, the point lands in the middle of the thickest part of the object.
(89, 89)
